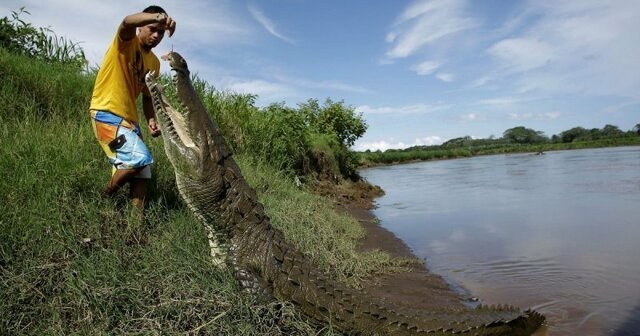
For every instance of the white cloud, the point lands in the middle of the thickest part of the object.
(426, 22)
(278, 87)
(534, 116)
(315, 84)
(621, 106)
(426, 68)
(522, 54)
(445, 77)
(256, 86)
(383, 145)
(377, 145)
(505, 101)
(583, 47)
(267, 24)
(407, 109)
(391, 37)
(267, 92)
(469, 117)
(481, 81)
(550, 47)
(428, 141)
(385, 61)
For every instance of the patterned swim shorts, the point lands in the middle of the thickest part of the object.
(122, 142)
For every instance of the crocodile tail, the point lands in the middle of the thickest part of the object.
(325, 300)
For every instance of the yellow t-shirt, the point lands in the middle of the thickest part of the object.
(121, 78)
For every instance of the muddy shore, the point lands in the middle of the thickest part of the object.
(417, 288)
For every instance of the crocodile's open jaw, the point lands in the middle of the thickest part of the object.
(183, 133)
(175, 121)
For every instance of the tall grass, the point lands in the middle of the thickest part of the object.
(73, 263)
(38, 90)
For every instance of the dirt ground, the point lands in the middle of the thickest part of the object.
(416, 289)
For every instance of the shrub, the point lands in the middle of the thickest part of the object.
(334, 117)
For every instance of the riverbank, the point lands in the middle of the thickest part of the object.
(414, 287)
(417, 288)
(479, 222)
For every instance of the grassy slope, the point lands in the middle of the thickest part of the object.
(72, 263)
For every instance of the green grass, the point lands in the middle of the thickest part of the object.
(311, 223)
(73, 263)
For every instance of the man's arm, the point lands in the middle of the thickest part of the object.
(150, 115)
(127, 29)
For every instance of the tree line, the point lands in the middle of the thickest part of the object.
(523, 135)
(513, 140)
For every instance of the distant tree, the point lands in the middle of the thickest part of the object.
(636, 128)
(523, 135)
(458, 142)
(576, 133)
(593, 134)
(611, 131)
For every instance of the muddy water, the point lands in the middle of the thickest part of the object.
(558, 232)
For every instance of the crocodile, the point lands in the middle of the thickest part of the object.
(264, 263)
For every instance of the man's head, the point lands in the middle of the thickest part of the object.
(151, 34)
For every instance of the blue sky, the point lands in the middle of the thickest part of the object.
(421, 72)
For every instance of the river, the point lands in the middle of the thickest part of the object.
(558, 232)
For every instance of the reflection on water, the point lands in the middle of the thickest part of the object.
(557, 232)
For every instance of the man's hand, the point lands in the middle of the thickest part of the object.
(168, 23)
(153, 127)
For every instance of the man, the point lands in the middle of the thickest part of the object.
(119, 82)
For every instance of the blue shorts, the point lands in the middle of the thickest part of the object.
(121, 140)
